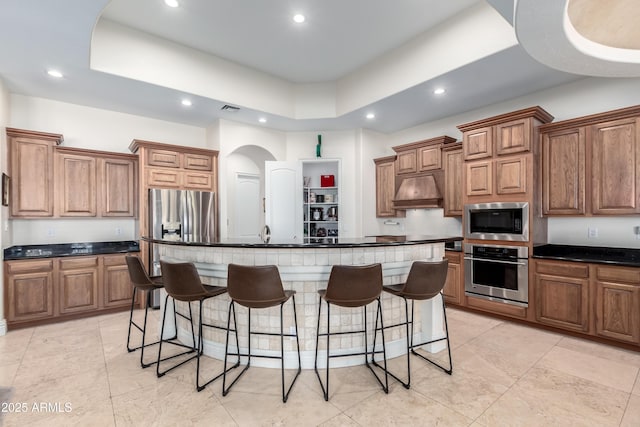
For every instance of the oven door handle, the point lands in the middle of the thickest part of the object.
(495, 260)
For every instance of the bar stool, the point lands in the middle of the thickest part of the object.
(258, 287)
(425, 281)
(141, 282)
(352, 286)
(182, 283)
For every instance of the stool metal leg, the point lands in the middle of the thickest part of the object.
(446, 327)
(285, 396)
(325, 392)
(406, 384)
(385, 386)
(232, 308)
(190, 349)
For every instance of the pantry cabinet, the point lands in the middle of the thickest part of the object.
(31, 172)
(591, 164)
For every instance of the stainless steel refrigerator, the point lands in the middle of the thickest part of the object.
(180, 215)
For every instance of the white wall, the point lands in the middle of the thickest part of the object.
(92, 128)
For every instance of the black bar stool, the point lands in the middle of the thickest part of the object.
(182, 283)
(425, 281)
(353, 286)
(141, 282)
(258, 287)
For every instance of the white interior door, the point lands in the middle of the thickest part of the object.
(283, 204)
(248, 206)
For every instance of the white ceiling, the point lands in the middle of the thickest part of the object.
(339, 39)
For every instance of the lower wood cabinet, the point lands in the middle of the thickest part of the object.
(562, 299)
(595, 299)
(29, 290)
(56, 289)
(617, 303)
(453, 290)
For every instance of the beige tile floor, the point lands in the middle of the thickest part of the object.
(504, 375)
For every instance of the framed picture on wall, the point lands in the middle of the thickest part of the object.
(5, 189)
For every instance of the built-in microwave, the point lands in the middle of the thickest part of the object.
(497, 221)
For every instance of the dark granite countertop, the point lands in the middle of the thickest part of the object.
(593, 254)
(386, 240)
(70, 249)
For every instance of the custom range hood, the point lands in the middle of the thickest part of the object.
(421, 191)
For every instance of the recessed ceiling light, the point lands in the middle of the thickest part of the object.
(298, 18)
(186, 102)
(55, 73)
(172, 3)
(371, 116)
(262, 120)
(439, 91)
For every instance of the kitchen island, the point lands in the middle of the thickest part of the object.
(305, 268)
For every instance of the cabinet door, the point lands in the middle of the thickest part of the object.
(406, 162)
(513, 137)
(385, 187)
(479, 178)
(563, 172)
(31, 178)
(198, 162)
(615, 161)
(429, 158)
(283, 200)
(478, 144)
(618, 303)
(198, 181)
(116, 285)
(29, 290)
(163, 178)
(511, 175)
(76, 185)
(163, 158)
(452, 290)
(78, 285)
(118, 187)
(453, 183)
(562, 302)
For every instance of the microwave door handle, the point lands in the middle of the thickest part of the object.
(495, 260)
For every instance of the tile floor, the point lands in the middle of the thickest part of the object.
(79, 374)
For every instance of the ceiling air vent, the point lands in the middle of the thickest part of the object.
(230, 108)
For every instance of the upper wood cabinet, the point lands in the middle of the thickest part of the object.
(591, 164)
(453, 184)
(499, 159)
(421, 156)
(385, 187)
(31, 172)
(95, 183)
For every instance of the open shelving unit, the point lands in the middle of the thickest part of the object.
(321, 213)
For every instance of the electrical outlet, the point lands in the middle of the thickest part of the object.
(592, 233)
(118, 231)
(51, 232)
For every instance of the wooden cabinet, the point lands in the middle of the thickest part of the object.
(29, 290)
(453, 185)
(406, 162)
(116, 285)
(56, 289)
(31, 171)
(617, 303)
(563, 172)
(77, 284)
(615, 166)
(118, 189)
(562, 295)
(421, 156)
(75, 183)
(591, 164)
(500, 158)
(429, 158)
(385, 187)
(453, 290)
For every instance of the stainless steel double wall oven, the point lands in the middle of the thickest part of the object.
(496, 271)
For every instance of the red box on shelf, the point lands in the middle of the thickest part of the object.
(327, 181)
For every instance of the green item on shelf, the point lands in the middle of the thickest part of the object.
(319, 146)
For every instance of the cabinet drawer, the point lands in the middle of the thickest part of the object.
(163, 178)
(198, 162)
(80, 262)
(29, 266)
(618, 274)
(163, 158)
(110, 260)
(563, 269)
